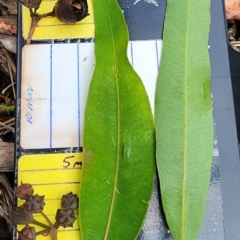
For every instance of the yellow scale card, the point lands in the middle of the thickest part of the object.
(52, 28)
(52, 175)
(56, 174)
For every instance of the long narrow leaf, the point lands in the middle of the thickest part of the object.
(118, 137)
(184, 124)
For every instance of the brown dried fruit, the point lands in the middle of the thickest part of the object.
(27, 233)
(71, 11)
(21, 216)
(70, 200)
(31, 3)
(65, 217)
(24, 191)
(34, 204)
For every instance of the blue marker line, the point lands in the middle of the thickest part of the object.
(78, 79)
(50, 96)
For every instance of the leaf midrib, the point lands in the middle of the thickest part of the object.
(118, 127)
(183, 220)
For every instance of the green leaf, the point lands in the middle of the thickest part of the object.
(183, 112)
(118, 139)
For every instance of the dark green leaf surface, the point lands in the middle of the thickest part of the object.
(184, 124)
(118, 137)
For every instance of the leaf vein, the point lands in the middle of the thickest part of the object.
(183, 223)
(118, 127)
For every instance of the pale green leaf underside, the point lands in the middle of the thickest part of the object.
(118, 137)
(183, 115)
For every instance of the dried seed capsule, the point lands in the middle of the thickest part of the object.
(21, 216)
(34, 204)
(31, 3)
(71, 11)
(65, 217)
(27, 233)
(70, 200)
(24, 191)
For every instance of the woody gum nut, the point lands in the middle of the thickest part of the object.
(21, 216)
(34, 204)
(65, 217)
(27, 233)
(31, 3)
(71, 11)
(24, 191)
(70, 200)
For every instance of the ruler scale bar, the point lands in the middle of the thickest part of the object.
(66, 71)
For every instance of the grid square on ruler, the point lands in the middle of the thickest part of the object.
(52, 28)
(52, 175)
(55, 81)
